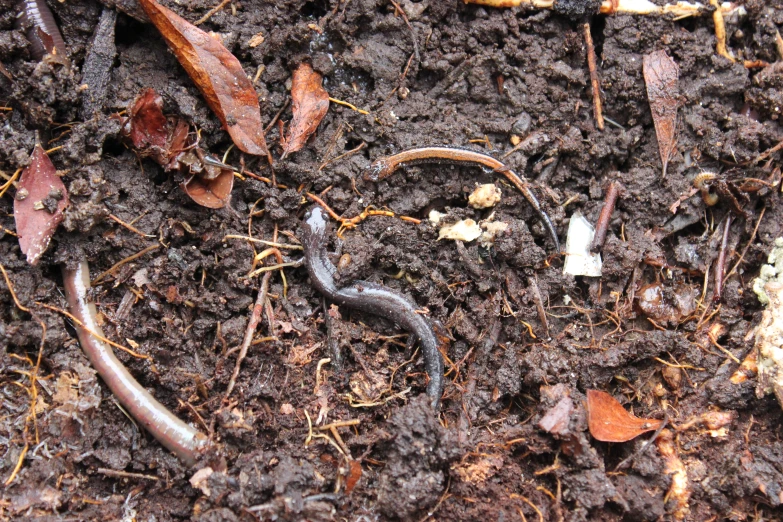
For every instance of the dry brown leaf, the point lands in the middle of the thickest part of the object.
(310, 104)
(38, 206)
(210, 193)
(661, 75)
(610, 422)
(217, 74)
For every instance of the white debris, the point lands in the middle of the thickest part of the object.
(199, 480)
(140, 278)
(465, 230)
(771, 272)
(484, 196)
(769, 344)
(579, 260)
(491, 230)
(436, 216)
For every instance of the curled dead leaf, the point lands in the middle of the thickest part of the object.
(661, 75)
(40, 200)
(210, 193)
(608, 421)
(310, 105)
(217, 74)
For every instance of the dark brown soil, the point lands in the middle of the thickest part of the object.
(480, 74)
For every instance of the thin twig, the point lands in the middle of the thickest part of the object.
(349, 105)
(212, 11)
(598, 112)
(11, 182)
(644, 446)
(343, 155)
(602, 225)
(255, 318)
(18, 465)
(93, 333)
(123, 262)
(125, 474)
(750, 242)
(539, 305)
(129, 227)
(264, 242)
(720, 265)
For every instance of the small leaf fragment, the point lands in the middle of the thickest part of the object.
(217, 74)
(354, 474)
(608, 421)
(146, 126)
(38, 206)
(310, 105)
(661, 75)
(212, 193)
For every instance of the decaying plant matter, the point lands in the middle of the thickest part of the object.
(769, 344)
(169, 142)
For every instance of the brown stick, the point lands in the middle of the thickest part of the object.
(539, 305)
(720, 265)
(125, 474)
(601, 227)
(594, 83)
(255, 318)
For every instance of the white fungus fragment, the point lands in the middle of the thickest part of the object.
(435, 217)
(465, 230)
(491, 230)
(484, 196)
(579, 260)
(769, 344)
(770, 272)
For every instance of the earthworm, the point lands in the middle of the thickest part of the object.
(384, 167)
(371, 298)
(179, 437)
(42, 30)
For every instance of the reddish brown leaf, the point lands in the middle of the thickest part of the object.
(354, 474)
(661, 75)
(609, 422)
(38, 207)
(176, 143)
(147, 124)
(310, 104)
(218, 75)
(210, 193)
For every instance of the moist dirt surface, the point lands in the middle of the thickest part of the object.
(453, 74)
